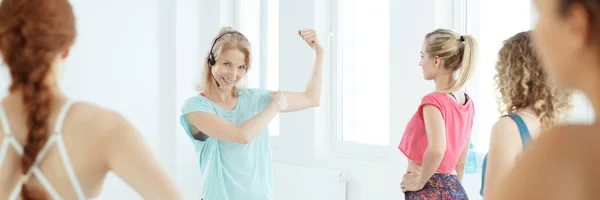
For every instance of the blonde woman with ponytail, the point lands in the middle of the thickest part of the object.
(436, 138)
(51, 147)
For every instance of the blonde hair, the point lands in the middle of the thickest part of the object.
(457, 52)
(227, 41)
(522, 81)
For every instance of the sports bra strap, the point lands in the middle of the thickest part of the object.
(523, 130)
(4, 122)
(60, 119)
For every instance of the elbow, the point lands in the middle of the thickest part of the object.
(437, 155)
(244, 140)
(311, 98)
(316, 103)
(436, 152)
(243, 137)
(460, 165)
(460, 168)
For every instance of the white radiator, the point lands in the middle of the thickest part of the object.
(295, 182)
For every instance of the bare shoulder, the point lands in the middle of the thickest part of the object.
(558, 162)
(504, 124)
(575, 143)
(568, 139)
(505, 134)
(99, 121)
(564, 144)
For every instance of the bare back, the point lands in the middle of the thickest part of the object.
(97, 141)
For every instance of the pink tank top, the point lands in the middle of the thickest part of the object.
(459, 122)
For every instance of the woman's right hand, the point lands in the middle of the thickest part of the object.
(278, 99)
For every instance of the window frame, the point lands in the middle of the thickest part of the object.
(339, 147)
(472, 23)
(358, 150)
(259, 64)
(473, 83)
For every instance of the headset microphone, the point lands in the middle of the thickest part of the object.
(217, 82)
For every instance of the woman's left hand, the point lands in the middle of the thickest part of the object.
(410, 181)
(311, 38)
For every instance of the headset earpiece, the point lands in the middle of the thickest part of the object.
(211, 60)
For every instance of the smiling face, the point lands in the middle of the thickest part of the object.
(232, 53)
(230, 68)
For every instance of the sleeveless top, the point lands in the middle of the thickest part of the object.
(525, 139)
(54, 138)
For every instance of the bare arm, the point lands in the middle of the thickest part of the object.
(311, 97)
(436, 139)
(550, 168)
(460, 167)
(505, 146)
(130, 158)
(221, 129)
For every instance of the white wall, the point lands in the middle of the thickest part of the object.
(123, 59)
(196, 26)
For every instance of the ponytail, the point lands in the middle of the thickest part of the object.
(466, 64)
(457, 52)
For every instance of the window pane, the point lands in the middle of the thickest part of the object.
(249, 22)
(365, 66)
(490, 26)
(273, 57)
(250, 25)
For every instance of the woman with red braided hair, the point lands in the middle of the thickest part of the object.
(50, 147)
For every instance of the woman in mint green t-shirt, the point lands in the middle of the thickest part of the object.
(228, 125)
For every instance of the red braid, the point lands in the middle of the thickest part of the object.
(32, 34)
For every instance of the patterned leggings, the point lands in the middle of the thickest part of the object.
(439, 187)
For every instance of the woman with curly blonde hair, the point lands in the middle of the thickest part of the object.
(529, 101)
(563, 162)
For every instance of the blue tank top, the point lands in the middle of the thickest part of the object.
(525, 139)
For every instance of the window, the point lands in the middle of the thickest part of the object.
(272, 75)
(489, 23)
(362, 50)
(265, 45)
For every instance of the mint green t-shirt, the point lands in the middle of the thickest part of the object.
(233, 171)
